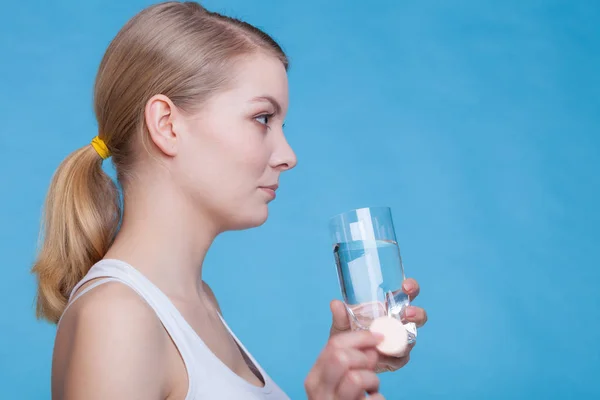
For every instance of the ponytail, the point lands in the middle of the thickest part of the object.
(81, 217)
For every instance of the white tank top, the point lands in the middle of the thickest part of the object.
(208, 376)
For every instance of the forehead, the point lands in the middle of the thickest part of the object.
(259, 75)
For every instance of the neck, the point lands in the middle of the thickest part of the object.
(160, 239)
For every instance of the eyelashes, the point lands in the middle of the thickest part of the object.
(264, 119)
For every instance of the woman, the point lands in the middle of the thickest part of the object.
(190, 106)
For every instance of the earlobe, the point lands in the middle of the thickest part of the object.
(159, 114)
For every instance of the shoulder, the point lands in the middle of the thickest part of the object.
(115, 309)
(112, 345)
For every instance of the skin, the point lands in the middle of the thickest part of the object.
(205, 174)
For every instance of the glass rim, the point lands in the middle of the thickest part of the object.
(389, 209)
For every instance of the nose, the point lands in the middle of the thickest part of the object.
(283, 157)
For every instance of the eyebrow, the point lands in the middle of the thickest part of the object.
(271, 100)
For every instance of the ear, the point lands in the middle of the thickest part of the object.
(160, 113)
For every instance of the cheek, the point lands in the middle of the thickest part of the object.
(254, 161)
(197, 165)
(225, 164)
(247, 151)
(233, 165)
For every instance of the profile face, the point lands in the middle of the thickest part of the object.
(234, 148)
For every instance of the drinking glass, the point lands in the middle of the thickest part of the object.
(369, 267)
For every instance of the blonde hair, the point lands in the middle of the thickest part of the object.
(178, 49)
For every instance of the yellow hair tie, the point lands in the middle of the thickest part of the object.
(100, 147)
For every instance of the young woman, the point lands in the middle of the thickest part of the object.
(190, 106)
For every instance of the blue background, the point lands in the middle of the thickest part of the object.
(478, 122)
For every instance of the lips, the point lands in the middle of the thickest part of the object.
(270, 190)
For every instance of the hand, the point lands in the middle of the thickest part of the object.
(341, 324)
(345, 368)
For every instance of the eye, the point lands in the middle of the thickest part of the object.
(264, 118)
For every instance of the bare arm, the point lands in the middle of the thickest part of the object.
(113, 347)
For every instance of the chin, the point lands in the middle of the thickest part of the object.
(252, 219)
(260, 217)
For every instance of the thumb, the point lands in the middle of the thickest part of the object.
(340, 321)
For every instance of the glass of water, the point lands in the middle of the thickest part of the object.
(369, 267)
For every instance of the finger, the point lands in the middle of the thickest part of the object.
(356, 382)
(416, 315)
(376, 396)
(356, 340)
(337, 362)
(340, 320)
(411, 288)
(372, 358)
(391, 364)
(341, 353)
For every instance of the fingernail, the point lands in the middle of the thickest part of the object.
(407, 286)
(378, 335)
(410, 312)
